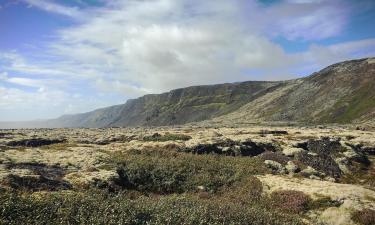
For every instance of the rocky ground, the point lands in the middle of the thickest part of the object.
(333, 167)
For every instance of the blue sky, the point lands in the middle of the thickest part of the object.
(69, 56)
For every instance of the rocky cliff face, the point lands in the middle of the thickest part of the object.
(341, 93)
(175, 107)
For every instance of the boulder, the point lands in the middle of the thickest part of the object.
(35, 142)
(275, 166)
(291, 167)
(292, 151)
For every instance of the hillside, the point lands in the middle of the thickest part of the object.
(175, 107)
(341, 93)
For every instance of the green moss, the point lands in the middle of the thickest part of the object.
(351, 107)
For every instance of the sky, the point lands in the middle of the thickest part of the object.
(70, 56)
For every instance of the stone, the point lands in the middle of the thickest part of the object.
(292, 151)
(34, 142)
(275, 166)
(310, 171)
(291, 167)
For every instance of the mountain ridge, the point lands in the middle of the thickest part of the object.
(340, 93)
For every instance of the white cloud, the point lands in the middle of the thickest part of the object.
(130, 48)
(307, 19)
(160, 45)
(3, 75)
(56, 8)
(17, 104)
(319, 56)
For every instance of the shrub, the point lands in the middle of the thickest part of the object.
(176, 173)
(35, 183)
(101, 208)
(364, 217)
(247, 190)
(290, 201)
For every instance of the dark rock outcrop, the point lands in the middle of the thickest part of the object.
(231, 148)
(35, 142)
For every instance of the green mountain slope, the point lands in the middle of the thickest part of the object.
(341, 93)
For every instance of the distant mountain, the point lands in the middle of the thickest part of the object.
(341, 93)
(175, 107)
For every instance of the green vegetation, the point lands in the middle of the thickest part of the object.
(291, 201)
(155, 186)
(171, 172)
(95, 207)
(352, 107)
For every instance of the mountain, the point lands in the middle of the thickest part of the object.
(341, 93)
(175, 107)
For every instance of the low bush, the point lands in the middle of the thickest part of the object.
(35, 183)
(248, 190)
(101, 208)
(165, 172)
(290, 201)
(364, 217)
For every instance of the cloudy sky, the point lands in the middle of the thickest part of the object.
(68, 56)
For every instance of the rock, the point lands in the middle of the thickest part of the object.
(230, 148)
(368, 150)
(275, 132)
(156, 135)
(201, 188)
(275, 156)
(102, 141)
(324, 146)
(292, 151)
(35, 142)
(313, 177)
(312, 153)
(275, 166)
(330, 179)
(322, 163)
(291, 167)
(350, 154)
(309, 171)
(343, 164)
